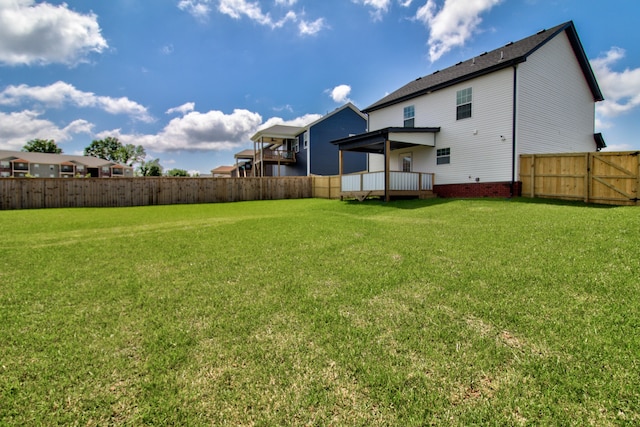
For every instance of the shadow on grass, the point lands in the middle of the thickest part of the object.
(422, 203)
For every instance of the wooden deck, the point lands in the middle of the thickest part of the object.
(401, 184)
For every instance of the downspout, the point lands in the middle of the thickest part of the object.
(308, 150)
(513, 132)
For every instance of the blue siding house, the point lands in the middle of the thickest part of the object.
(302, 151)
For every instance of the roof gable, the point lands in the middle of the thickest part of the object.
(348, 105)
(506, 56)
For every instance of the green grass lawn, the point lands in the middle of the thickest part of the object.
(318, 312)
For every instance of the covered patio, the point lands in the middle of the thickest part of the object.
(387, 183)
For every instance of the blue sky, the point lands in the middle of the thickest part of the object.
(192, 80)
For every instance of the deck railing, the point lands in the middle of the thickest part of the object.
(398, 181)
(275, 155)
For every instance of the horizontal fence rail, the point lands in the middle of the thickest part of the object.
(36, 193)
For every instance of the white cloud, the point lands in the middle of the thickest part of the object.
(183, 109)
(167, 49)
(621, 90)
(195, 131)
(453, 24)
(380, 7)
(60, 93)
(340, 93)
(17, 128)
(619, 147)
(301, 121)
(237, 9)
(311, 28)
(42, 33)
(199, 9)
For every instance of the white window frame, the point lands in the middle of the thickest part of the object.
(409, 116)
(464, 103)
(443, 156)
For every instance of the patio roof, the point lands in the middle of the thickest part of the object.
(275, 134)
(245, 154)
(399, 137)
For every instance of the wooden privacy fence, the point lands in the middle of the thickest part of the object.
(602, 177)
(326, 187)
(33, 193)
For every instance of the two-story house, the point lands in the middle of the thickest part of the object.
(19, 164)
(282, 150)
(467, 124)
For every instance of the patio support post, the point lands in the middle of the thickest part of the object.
(254, 172)
(340, 154)
(387, 152)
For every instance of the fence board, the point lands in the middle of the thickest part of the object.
(602, 177)
(34, 193)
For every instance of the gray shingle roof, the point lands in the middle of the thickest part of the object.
(488, 62)
(50, 158)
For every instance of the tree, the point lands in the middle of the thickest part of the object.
(177, 172)
(42, 146)
(150, 168)
(130, 154)
(112, 149)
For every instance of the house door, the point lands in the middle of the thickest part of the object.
(405, 162)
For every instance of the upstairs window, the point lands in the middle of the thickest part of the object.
(443, 156)
(409, 116)
(463, 103)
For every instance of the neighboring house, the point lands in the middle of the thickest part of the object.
(46, 165)
(307, 150)
(244, 163)
(468, 124)
(222, 171)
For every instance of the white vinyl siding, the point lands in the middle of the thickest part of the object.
(556, 110)
(479, 150)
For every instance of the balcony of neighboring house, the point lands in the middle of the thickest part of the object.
(274, 147)
(67, 169)
(244, 164)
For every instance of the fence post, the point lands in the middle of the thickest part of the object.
(589, 177)
(532, 176)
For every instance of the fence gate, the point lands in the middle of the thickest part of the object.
(614, 178)
(603, 177)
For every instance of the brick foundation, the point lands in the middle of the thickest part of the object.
(478, 189)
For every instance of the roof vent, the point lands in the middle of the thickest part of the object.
(459, 63)
(419, 78)
(483, 53)
(436, 72)
(541, 31)
(508, 44)
(473, 61)
(501, 55)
